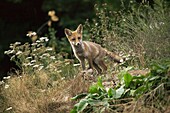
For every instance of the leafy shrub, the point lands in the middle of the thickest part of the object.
(100, 99)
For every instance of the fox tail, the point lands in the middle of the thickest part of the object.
(114, 56)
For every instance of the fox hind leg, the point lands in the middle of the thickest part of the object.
(100, 63)
(98, 69)
(93, 65)
(103, 66)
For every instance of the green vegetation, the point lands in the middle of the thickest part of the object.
(152, 88)
(139, 31)
(50, 82)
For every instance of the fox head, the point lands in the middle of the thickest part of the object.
(74, 37)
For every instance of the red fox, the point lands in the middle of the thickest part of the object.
(90, 51)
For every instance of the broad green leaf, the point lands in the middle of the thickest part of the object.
(93, 89)
(139, 77)
(97, 102)
(74, 110)
(101, 96)
(139, 91)
(119, 92)
(92, 102)
(79, 96)
(92, 96)
(97, 88)
(123, 72)
(81, 105)
(127, 79)
(99, 83)
(111, 92)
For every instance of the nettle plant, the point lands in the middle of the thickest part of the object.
(150, 90)
(36, 56)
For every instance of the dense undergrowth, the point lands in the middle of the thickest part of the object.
(150, 90)
(49, 82)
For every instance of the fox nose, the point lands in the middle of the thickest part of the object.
(78, 43)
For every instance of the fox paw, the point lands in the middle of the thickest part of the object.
(89, 71)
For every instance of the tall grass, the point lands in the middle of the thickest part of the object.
(141, 31)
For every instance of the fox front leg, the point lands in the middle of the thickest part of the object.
(90, 63)
(82, 62)
(91, 66)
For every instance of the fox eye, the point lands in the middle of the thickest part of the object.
(79, 38)
(73, 39)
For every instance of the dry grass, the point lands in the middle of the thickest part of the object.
(37, 94)
(139, 107)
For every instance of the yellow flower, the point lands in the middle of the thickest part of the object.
(53, 16)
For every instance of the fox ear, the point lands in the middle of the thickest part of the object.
(68, 32)
(80, 29)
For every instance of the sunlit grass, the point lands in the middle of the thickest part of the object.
(38, 94)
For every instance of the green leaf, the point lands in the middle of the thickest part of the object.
(111, 92)
(127, 79)
(139, 77)
(103, 102)
(139, 91)
(92, 102)
(97, 88)
(127, 91)
(101, 96)
(154, 78)
(93, 89)
(99, 83)
(79, 96)
(121, 74)
(119, 92)
(132, 92)
(74, 110)
(81, 105)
